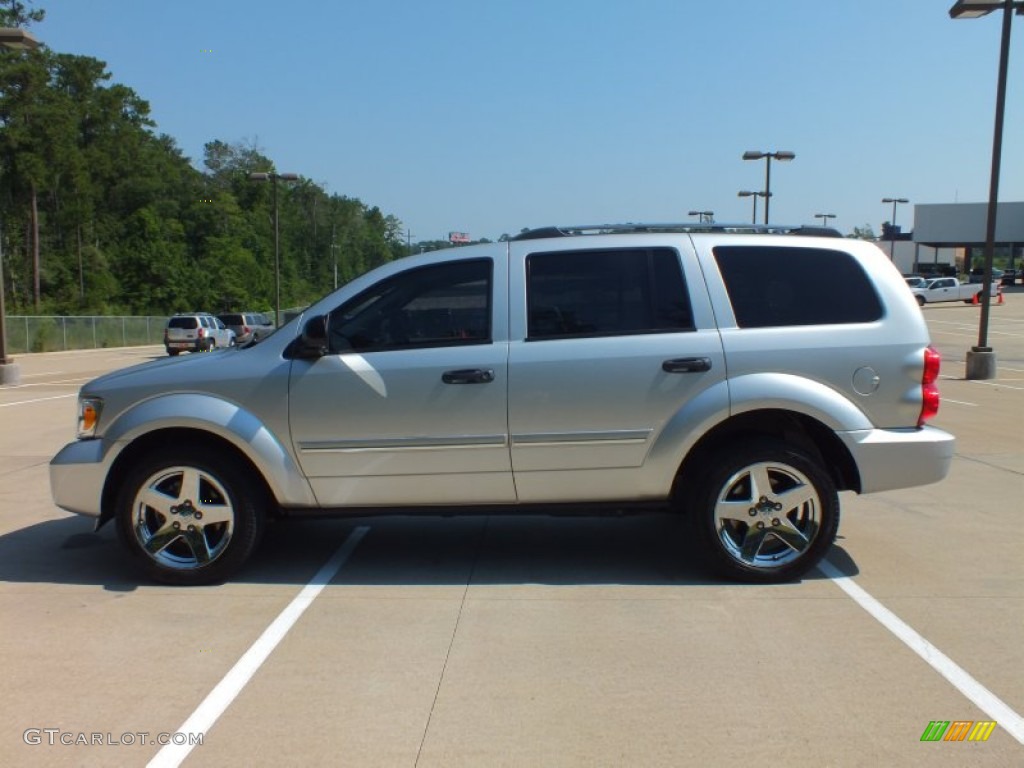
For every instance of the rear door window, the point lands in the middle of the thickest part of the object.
(605, 293)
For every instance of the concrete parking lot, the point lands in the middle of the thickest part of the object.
(525, 641)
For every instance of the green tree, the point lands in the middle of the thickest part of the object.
(863, 233)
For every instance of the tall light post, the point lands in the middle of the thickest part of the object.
(13, 39)
(755, 195)
(824, 218)
(892, 222)
(753, 154)
(704, 216)
(273, 178)
(981, 360)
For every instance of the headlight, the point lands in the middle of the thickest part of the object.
(89, 410)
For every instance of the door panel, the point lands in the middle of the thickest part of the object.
(410, 403)
(607, 348)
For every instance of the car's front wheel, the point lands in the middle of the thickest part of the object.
(765, 512)
(189, 516)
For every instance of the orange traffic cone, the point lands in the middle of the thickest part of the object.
(975, 299)
(999, 293)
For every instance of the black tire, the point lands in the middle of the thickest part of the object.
(920, 301)
(173, 352)
(743, 529)
(161, 520)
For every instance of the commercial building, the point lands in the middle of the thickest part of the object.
(954, 234)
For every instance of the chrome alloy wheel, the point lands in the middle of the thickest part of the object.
(182, 518)
(767, 514)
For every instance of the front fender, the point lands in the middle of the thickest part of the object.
(224, 419)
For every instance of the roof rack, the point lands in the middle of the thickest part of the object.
(618, 229)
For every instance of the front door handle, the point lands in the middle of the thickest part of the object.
(687, 365)
(468, 376)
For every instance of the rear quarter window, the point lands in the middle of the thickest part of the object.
(779, 286)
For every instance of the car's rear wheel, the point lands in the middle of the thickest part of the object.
(189, 517)
(173, 352)
(765, 512)
(920, 301)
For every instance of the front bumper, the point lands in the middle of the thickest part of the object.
(77, 474)
(900, 458)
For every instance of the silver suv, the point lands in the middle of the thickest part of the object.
(196, 332)
(702, 371)
(247, 326)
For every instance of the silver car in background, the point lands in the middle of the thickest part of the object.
(247, 326)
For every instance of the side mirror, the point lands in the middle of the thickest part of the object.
(313, 341)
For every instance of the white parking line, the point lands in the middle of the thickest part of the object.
(37, 400)
(959, 402)
(57, 381)
(996, 383)
(235, 680)
(982, 697)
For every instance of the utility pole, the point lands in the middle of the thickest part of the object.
(334, 254)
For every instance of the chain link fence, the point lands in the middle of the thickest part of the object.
(27, 333)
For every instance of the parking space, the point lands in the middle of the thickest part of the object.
(447, 641)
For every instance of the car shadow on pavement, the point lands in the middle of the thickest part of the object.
(421, 550)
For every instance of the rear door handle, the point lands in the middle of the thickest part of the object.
(468, 376)
(687, 365)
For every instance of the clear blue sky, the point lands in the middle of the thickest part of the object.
(487, 116)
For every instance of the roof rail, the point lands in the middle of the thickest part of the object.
(684, 228)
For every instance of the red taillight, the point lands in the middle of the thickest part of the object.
(245, 330)
(201, 333)
(929, 389)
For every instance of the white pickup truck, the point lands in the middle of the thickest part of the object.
(948, 289)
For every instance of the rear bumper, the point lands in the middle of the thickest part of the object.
(77, 474)
(900, 458)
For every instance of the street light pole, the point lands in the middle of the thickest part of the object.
(15, 39)
(754, 154)
(704, 216)
(755, 195)
(981, 360)
(273, 179)
(892, 222)
(824, 218)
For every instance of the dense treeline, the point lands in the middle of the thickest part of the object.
(100, 214)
